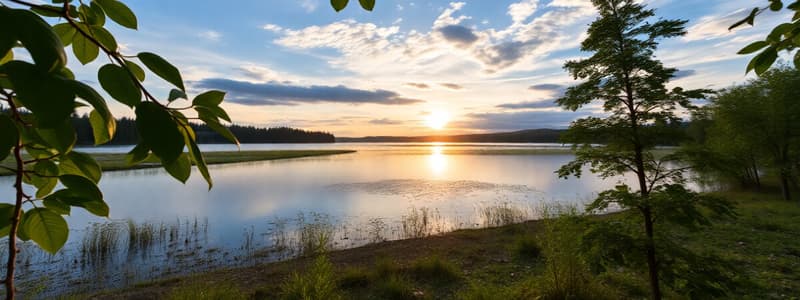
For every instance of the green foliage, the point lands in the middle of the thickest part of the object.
(339, 5)
(41, 94)
(435, 269)
(784, 37)
(623, 75)
(753, 128)
(318, 282)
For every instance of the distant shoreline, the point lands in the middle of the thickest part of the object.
(116, 161)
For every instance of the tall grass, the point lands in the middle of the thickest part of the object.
(567, 274)
(101, 241)
(435, 269)
(141, 236)
(421, 222)
(314, 237)
(502, 214)
(318, 282)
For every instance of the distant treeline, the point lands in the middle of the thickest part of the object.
(522, 136)
(127, 134)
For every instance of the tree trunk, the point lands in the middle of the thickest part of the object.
(785, 187)
(652, 264)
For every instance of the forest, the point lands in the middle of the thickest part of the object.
(127, 134)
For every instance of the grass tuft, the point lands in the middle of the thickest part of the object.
(318, 282)
(435, 269)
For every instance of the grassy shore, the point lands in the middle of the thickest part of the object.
(501, 263)
(116, 161)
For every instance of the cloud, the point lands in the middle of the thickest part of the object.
(273, 28)
(522, 120)
(684, 73)
(450, 46)
(418, 85)
(548, 87)
(529, 105)
(309, 5)
(451, 86)
(385, 121)
(274, 93)
(458, 34)
(210, 35)
(715, 26)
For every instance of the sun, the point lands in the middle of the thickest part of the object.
(437, 120)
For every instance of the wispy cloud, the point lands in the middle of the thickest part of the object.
(529, 105)
(452, 86)
(274, 93)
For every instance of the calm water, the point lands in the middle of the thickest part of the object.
(227, 225)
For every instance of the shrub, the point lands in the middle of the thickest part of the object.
(316, 283)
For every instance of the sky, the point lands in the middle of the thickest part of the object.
(409, 67)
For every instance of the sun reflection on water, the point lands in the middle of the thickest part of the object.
(437, 161)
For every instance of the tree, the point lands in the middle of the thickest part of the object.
(41, 94)
(760, 117)
(623, 75)
(783, 38)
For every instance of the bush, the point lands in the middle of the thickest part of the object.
(317, 283)
(354, 278)
(527, 247)
(395, 288)
(435, 269)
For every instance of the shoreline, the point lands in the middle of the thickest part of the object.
(116, 161)
(493, 259)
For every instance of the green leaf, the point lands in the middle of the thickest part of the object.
(137, 154)
(57, 206)
(61, 138)
(119, 84)
(81, 192)
(6, 214)
(7, 57)
(222, 130)
(209, 99)
(66, 33)
(102, 129)
(99, 14)
(339, 5)
(215, 111)
(104, 37)
(37, 36)
(9, 136)
(84, 49)
(119, 12)
(176, 94)
(104, 126)
(765, 60)
(197, 157)
(45, 179)
(48, 96)
(81, 164)
(159, 131)
(48, 229)
(162, 68)
(8, 39)
(90, 16)
(776, 5)
(135, 69)
(753, 47)
(180, 168)
(43, 10)
(367, 4)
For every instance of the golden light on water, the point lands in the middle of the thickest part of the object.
(437, 161)
(437, 120)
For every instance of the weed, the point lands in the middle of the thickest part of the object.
(435, 269)
(502, 215)
(318, 282)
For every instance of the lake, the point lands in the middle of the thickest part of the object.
(257, 210)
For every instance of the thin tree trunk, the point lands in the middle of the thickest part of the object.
(12, 234)
(785, 187)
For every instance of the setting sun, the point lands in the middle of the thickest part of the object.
(437, 120)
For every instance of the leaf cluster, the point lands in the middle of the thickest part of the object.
(784, 37)
(42, 94)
